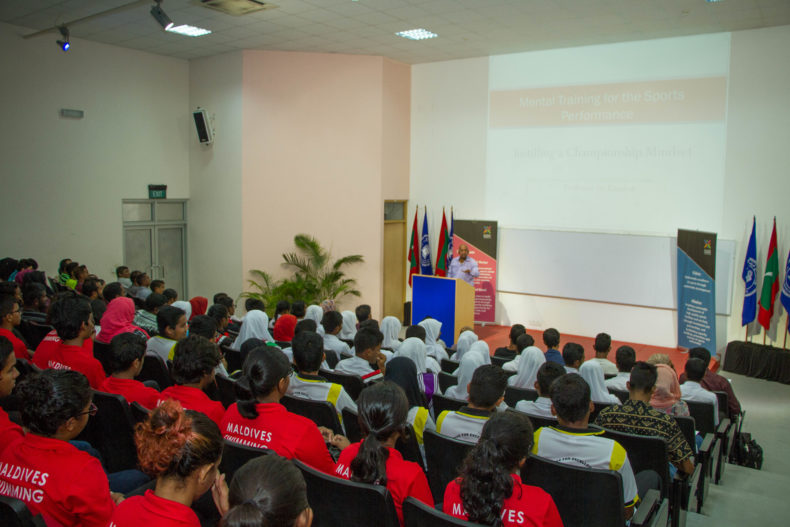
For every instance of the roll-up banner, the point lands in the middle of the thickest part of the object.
(696, 290)
(481, 238)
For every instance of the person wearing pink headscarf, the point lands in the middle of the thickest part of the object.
(199, 305)
(666, 397)
(119, 318)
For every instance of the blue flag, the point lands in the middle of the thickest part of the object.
(749, 276)
(426, 267)
(785, 297)
(450, 246)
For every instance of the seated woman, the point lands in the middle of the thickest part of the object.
(427, 367)
(465, 341)
(254, 326)
(268, 491)
(532, 359)
(284, 328)
(466, 369)
(65, 485)
(182, 449)
(259, 420)
(383, 410)
(666, 397)
(489, 490)
(403, 372)
(592, 372)
(349, 328)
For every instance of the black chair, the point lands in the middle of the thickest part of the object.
(331, 358)
(101, 352)
(337, 501)
(444, 457)
(139, 412)
(111, 432)
(536, 420)
(652, 511)
(227, 390)
(322, 413)
(687, 426)
(353, 384)
(448, 365)
(621, 394)
(446, 380)
(349, 342)
(724, 404)
(14, 513)
(645, 453)
(232, 357)
(514, 395)
(442, 403)
(351, 424)
(409, 448)
(418, 514)
(499, 361)
(607, 376)
(703, 414)
(33, 332)
(234, 456)
(155, 369)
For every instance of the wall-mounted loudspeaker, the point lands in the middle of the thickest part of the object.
(203, 127)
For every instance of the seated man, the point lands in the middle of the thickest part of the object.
(140, 289)
(714, 382)
(692, 389)
(602, 347)
(573, 355)
(171, 324)
(510, 351)
(522, 342)
(636, 416)
(10, 318)
(332, 322)
(547, 374)
(308, 354)
(625, 356)
(158, 286)
(362, 313)
(124, 276)
(367, 346)
(486, 392)
(36, 303)
(171, 295)
(146, 317)
(416, 331)
(127, 353)
(573, 442)
(551, 338)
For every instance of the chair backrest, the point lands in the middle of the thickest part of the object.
(449, 365)
(442, 403)
(155, 369)
(621, 394)
(723, 401)
(14, 513)
(139, 412)
(340, 502)
(322, 413)
(353, 384)
(596, 499)
(235, 455)
(331, 358)
(282, 344)
(687, 426)
(33, 332)
(608, 376)
(351, 424)
(409, 447)
(444, 457)
(418, 514)
(645, 453)
(499, 361)
(101, 353)
(111, 432)
(446, 380)
(227, 390)
(232, 357)
(537, 421)
(703, 416)
(514, 395)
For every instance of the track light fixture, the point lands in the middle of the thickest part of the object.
(160, 16)
(64, 44)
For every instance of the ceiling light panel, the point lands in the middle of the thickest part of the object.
(417, 34)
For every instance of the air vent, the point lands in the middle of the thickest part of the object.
(237, 7)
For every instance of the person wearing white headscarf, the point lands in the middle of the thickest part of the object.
(349, 328)
(433, 329)
(184, 306)
(465, 341)
(469, 363)
(532, 359)
(390, 327)
(255, 326)
(592, 372)
(314, 312)
(427, 368)
(481, 348)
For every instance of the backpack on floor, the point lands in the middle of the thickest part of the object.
(746, 451)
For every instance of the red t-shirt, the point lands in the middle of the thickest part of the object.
(152, 511)
(275, 428)
(404, 478)
(9, 431)
(194, 399)
(20, 348)
(52, 341)
(75, 358)
(133, 391)
(56, 480)
(527, 506)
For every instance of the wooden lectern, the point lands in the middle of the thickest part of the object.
(451, 301)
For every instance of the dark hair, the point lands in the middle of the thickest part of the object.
(218, 313)
(602, 343)
(138, 279)
(572, 352)
(570, 395)
(551, 338)
(266, 491)
(362, 312)
(203, 325)
(51, 398)
(383, 409)
(365, 339)
(283, 306)
(331, 321)
(154, 301)
(548, 372)
(308, 351)
(249, 345)
(8, 288)
(62, 265)
(112, 291)
(262, 371)
(170, 293)
(193, 357)
(515, 331)
(224, 300)
(695, 369)
(217, 296)
(524, 341)
(70, 268)
(6, 349)
(486, 483)
(417, 331)
(306, 324)
(253, 304)
(90, 285)
(31, 292)
(643, 376)
(298, 308)
(487, 385)
(120, 269)
(7, 303)
(168, 317)
(370, 323)
(174, 442)
(156, 283)
(700, 353)
(39, 277)
(403, 372)
(125, 348)
(98, 306)
(625, 357)
(67, 314)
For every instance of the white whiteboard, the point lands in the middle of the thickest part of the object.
(618, 268)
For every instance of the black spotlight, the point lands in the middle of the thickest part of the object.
(64, 44)
(160, 16)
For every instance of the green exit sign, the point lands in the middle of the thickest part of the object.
(157, 191)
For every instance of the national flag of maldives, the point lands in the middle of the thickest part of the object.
(444, 245)
(770, 283)
(414, 250)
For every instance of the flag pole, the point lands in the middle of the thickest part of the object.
(746, 338)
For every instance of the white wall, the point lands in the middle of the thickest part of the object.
(62, 179)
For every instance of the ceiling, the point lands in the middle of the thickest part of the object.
(466, 28)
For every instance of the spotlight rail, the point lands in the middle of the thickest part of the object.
(71, 23)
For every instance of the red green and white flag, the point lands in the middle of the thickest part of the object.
(414, 250)
(770, 283)
(444, 246)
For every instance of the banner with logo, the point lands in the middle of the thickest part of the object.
(480, 237)
(696, 289)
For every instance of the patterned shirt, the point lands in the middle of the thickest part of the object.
(638, 418)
